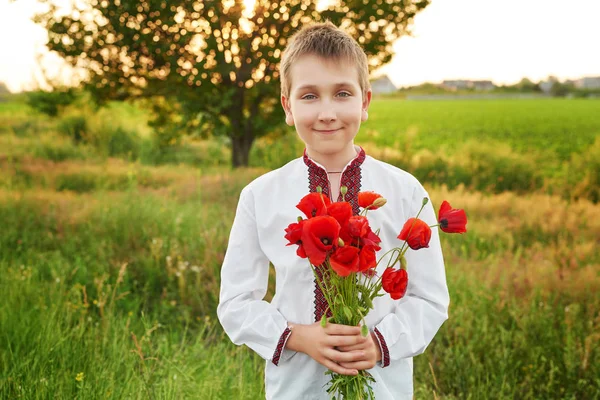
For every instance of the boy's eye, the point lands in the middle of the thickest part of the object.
(312, 96)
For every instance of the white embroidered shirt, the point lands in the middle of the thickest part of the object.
(404, 327)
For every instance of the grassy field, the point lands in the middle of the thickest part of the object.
(552, 127)
(110, 267)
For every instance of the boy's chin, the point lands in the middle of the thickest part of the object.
(332, 149)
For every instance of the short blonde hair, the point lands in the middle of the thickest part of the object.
(329, 42)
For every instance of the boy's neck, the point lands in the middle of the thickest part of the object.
(333, 162)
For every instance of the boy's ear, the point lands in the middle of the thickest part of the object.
(365, 106)
(289, 119)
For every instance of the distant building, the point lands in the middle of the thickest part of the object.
(455, 85)
(383, 85)
(483, 85)
(590, 82)
(546, 86)
(462, 84)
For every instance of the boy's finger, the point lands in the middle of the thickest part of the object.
(338, 329)
(343, 341)
(339, 369)
(358, 346)
(350, 356)
(358, 365)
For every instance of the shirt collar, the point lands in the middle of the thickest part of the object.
(351, 178)
(356, 162)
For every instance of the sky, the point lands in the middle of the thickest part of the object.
(498, 40)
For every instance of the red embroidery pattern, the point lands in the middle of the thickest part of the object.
(280, 345)
(385, 354)
(351, 177)
(320, 302)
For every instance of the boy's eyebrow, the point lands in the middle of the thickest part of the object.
(336, 85)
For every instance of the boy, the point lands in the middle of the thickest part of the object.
(326, 95)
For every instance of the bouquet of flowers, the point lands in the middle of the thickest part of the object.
(341, 248)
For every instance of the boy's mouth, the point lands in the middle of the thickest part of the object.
(327, 131)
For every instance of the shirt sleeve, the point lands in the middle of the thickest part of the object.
(417, 317)
(245, 316)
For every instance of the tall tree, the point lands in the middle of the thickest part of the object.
(213, 64)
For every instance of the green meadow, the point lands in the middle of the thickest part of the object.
(110, 250)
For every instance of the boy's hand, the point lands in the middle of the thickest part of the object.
(370, 349)
(324, 345)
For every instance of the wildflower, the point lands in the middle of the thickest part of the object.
(345, 260)
(395, 282)
(416, 233)
(319, 236)
(370, 200)
(452, 220)
(313, 205)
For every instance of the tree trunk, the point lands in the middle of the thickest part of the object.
(240, 150)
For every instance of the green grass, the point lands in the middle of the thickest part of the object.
(555, 127)
(121, 285)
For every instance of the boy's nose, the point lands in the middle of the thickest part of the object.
(327, 115)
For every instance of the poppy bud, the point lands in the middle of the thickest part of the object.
(340, 242)
(324, 320)
(364, 331)
(425, 200)
(347, 312)
(343, 190)
(380, 202)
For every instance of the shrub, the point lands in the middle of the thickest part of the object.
(274, 151)
(75, 127)
(495, 167)
(50, 103)
(26, 128)
(583, 174)
(59, 149)
(80, 183)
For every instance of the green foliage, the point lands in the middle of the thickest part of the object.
(58, 149)
(510, 350)
(583, 174)
(496, 168)
(206, 59)
(74, 127)
(50, 103)
(274, 151)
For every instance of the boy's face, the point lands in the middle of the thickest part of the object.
(325, 105)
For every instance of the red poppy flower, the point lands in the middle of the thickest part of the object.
(293, 233)
(395, 282)
(452, 220)
(370, 272)
(368, 258)
(345, 260)
(341, 211)
(370, 200)
(314, 205)
(358, 226)
(359, 233)
(319, 235)
(416, 233)
(372, 240)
